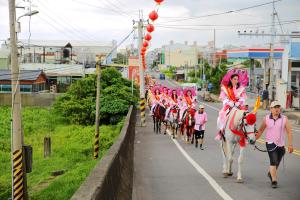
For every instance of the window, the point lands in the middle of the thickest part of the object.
(26, 88)
(5, 88)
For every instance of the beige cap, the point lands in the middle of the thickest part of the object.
(275, 103)
(201, 106)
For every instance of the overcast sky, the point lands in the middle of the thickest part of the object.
(107, 20)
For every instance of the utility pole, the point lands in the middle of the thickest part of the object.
(142, 80)
(18, 172)
(271, 61)
(214, 55)
(269, 68)
(97, 118)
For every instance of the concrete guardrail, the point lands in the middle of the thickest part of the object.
(112, 178)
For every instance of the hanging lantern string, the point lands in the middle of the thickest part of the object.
(156, 9)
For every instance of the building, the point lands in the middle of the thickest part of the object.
(64, 52)
(257, 76)
(59, 75)
(179, 55)
(30, 81)
(291, 72)
(4, 58)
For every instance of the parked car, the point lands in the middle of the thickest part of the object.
(162, 77)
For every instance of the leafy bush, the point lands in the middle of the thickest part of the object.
(77, 105)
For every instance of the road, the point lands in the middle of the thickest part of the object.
(171, 169)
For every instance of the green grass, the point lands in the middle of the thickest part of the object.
(72, 151)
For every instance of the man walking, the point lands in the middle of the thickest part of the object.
(277, 125)
(199, 128)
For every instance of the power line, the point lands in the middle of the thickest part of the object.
(66, 21)
(222, 13)
(65, 25)
(223, 25)
(118, 9)
(208, 29)
(119, 44)
(100, 7)
(55, 28)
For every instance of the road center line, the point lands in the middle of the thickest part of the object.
(210, 180)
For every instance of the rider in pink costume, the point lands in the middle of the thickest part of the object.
(233, 94)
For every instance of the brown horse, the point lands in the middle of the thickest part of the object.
(158, 117)
(188, 123)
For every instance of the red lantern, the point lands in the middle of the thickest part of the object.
(145, 44)
(144, 49)
(150, 28)
(153, 15)
(148, 37)
(143, 53)
(158, 1)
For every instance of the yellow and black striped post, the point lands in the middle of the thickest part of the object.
(97, 117)
(18, 183)
(142, 108)
(96, 146)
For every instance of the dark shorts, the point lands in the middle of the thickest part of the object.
(275, 153)
(199, 134)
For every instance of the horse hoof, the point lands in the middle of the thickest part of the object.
(225, 175)
(240, 181)
(230, 174)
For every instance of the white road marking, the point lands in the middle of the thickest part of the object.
(210, 180)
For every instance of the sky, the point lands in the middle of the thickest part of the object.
(107, 20)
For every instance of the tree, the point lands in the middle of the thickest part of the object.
(77, 105)
(120, 59)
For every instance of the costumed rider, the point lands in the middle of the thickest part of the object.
(156, 98)
(233, 94)
(173, 101)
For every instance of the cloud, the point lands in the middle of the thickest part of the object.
(105, 20)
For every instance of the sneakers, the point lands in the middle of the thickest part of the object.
(274, 184)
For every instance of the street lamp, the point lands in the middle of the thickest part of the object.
(28, 14)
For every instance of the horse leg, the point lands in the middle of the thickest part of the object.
(159, 125)
(229, 158)
(224, 153)
(193, 134)
(240, 160)
(173, 130)
(153, 123)
(166, 127)
(231, 161)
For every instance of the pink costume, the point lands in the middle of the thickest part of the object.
(200, 120)
(156, 98)
(275, 130)
(230, 98)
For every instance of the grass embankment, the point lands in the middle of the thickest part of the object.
(72, 151)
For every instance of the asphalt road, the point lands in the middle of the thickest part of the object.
(172, 169)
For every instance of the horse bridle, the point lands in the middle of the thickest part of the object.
(243, 125)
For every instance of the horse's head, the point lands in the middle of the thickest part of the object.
(248, 126)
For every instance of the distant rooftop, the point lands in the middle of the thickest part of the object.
(25, 75)
(61, 43)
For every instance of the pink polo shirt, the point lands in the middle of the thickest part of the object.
(275, 129)
(200, 120)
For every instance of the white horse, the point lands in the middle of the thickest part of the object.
(239, 128)
(173, 119)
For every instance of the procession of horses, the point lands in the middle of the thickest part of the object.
(174, 109)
